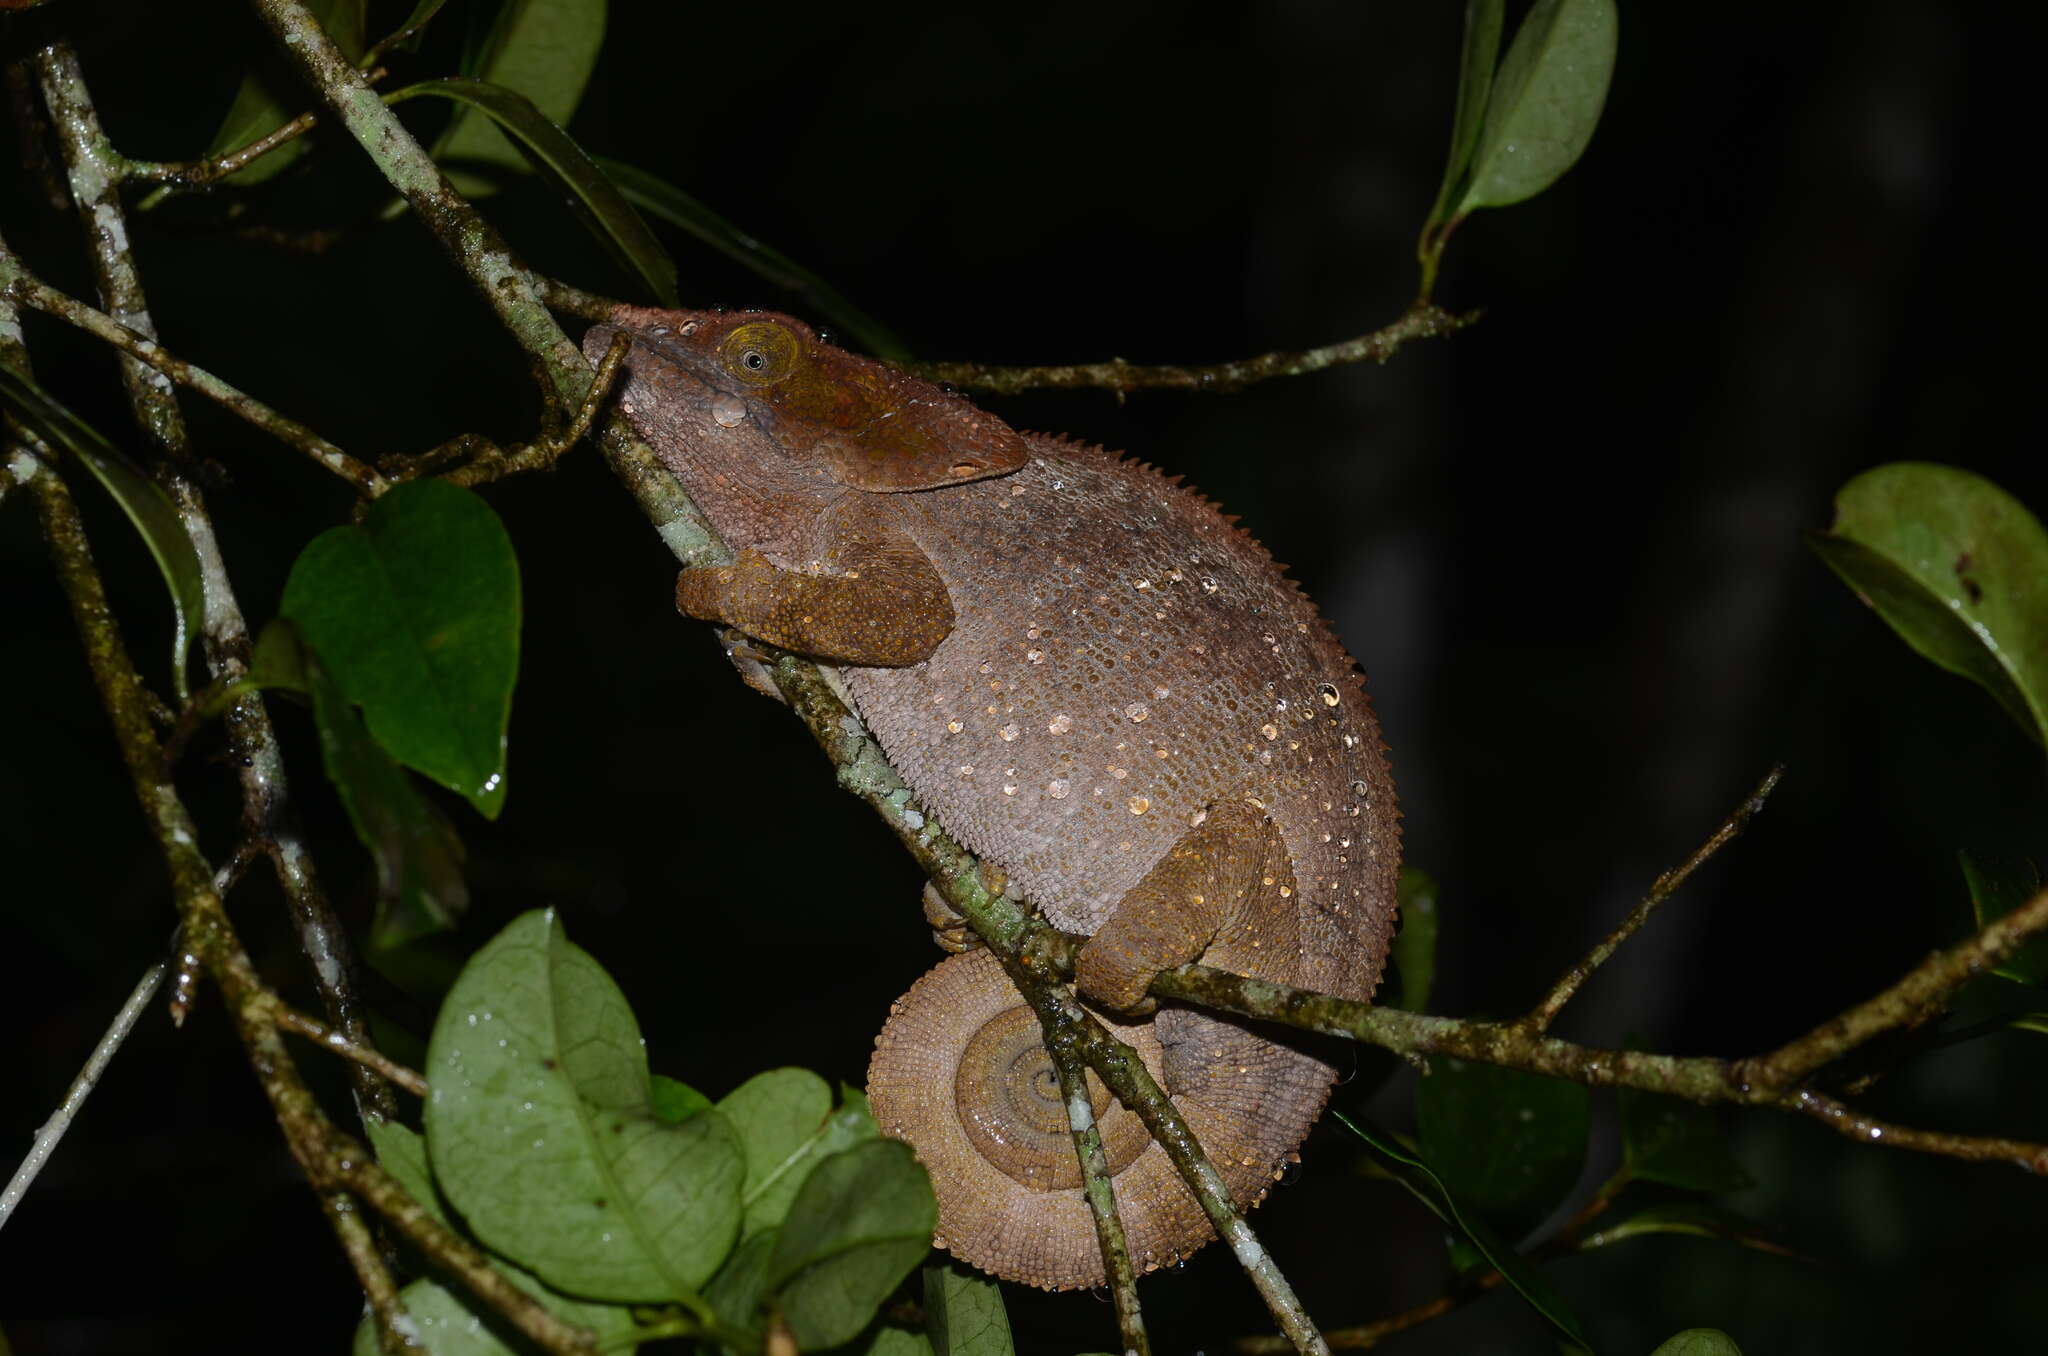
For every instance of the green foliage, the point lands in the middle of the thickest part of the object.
(141, 498)
(542, 1131)
(448, 1326)
(861, 1221)
(785, 1120)
(1508, 1144)
(1698, 1342)
(1521, 124)
(544, 49)
(1664, 1139)
(1956, 566)
(964, 1313)
(418, 857)
(1414, 950)
(415, 611)
(603, 209)
(675, 1102)
(1545, 100)
(1997, 887)
(559, 1152)
(267, 99)
(1430, 1188)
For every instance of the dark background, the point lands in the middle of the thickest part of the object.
(1566, 546)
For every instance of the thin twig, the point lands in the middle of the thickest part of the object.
(184, 174)
(291, 1019)
(394, 1327)
(330, 1159)
(32, 292)
(1101, 1196)
(53, 1129)
(1420, 321)
(267, 817)
(1545, 1012)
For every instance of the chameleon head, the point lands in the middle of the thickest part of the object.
(857, 421)
(959, 1074)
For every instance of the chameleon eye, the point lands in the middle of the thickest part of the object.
(761, 353)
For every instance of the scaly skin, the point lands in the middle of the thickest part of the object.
(1103, 688)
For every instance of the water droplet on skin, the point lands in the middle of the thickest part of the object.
(1328, 692)
(728, 411)
(1058, 787)
(1009, 788)
(1270, 731)
(1035, 656)
(1209, 585)
(1138, 805)
(1060, 724)
(1136, 711)
(1009, 732)
(954, 727)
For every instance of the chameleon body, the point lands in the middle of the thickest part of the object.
(1104, 689)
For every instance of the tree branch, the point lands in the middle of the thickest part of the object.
(1545, 1012)
(1101, 1196)
(1422, 320)
(267, 815)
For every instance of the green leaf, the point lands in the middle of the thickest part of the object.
(2036, 1022)
(141, 498)
(1699, 1219)
(453, 1324)
(1959, 569)
(735, 1293)
(784, 1118)
(964, 1313)
(542, 1132)
(602, 207)
(270, 98)
(1415, 944)
(416, 613)
(1665, 1139)
(1476, 61)
(403, 1154)
(887, 1341)
(1546, 100)
(1426, 1186)
(1997, 887)
(544, 49)
(860, 1222)
(675, 1102)
(420, 889)
(1698, 1342)
(416, 22)
(1510, 1144)
(662, 199)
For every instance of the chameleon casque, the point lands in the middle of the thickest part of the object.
(1105, 690)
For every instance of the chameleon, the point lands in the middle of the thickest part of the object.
(1105, 690)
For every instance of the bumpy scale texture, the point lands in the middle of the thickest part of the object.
(1103, 688)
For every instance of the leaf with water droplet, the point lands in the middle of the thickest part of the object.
(1698, 1342)
(416, 614)
(402, 1152)
(785, 1120)
(860, 1222)
(1546, 99)
(1668, 1140)
(1422, 1182)
(964, 1314)
(142, 499)
(541, 1128)
(1956, 566)
(544, 49)
(1998, 885)
(420, 889)
(1510, 1144)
